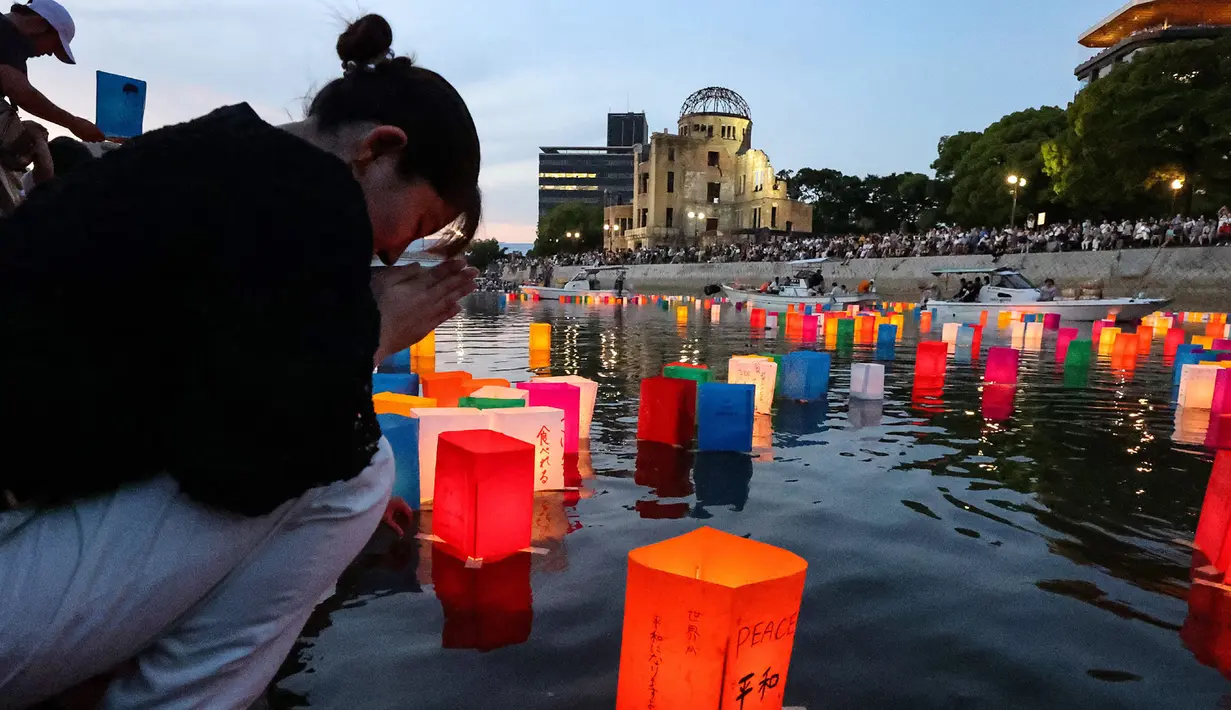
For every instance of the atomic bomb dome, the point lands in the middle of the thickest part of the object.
(716, 101)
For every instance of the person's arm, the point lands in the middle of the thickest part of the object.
(22, 93)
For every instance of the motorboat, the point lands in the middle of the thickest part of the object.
(796, 291)
(1009, 290)
(586, 282)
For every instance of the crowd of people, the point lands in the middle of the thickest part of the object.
(944, 241)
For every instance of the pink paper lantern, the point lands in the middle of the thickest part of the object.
(1063, 337)
(1001, 366)
(1051, 321)
(810, 328)
(564, 397)
(1220, 405)
(1221, 344)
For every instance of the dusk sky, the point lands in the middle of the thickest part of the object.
(863, 86)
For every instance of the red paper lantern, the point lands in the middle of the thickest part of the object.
(1214, 525)
(668, 411)
(484, 494)
(1124, 351)
(925, 321)
(1063, 337)
(931, 358)
(487, 607)
(1174, 339)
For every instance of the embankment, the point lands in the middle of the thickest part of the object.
(1199, 278)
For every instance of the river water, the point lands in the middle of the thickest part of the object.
(953, 561)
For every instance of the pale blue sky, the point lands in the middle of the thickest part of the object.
(863, 86)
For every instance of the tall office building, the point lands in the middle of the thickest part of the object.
(626, 129)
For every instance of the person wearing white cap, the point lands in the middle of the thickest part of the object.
(38, 29)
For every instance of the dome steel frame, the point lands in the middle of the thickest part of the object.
(718, 101)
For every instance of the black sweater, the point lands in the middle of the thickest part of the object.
(195, 303)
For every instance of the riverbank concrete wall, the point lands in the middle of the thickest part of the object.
(1198, 278)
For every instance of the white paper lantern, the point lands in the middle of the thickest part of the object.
(432, 423)
(543, 427)
(761, 372)
(867, 381)
(1197, 386)
(496, 392)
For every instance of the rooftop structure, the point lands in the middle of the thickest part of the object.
(1142, 24)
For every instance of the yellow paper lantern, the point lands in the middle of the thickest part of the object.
(761, 372)
(391, 403)
(425, 347)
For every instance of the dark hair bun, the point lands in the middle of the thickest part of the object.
(366, 40)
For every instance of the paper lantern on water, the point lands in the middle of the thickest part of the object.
(805, 375)
(755, 371)
(391, 403)
(715, 313)
(1051, 321)
(1206, 343)
(886, 335)
(1002, 366)
(1197, 386)
(1213, 330)
(490, 403)
(756, 317)
(931, 358)
(867, 381)
(1214, 525)
(398, 384)
(564, 397)
(709, 622)
(1218, 433)
(540, 336)
(1220, 344)
(811, 328)
(425, 347)
(1145, 337)
(725, 414)
(484, 498)
(866, 329)
(771, 320)
(1107, 340)
(900, 322)
(685, 371)
(1017, 335)
(403, 436)
(1064, 336)
(794, 323)
(497, 392)
(846, 333)
(446, 387)
(1096, 331)
(432, 423)
(1004, 319)
(485, 607)
(589, 398)
(1034, 335)
(667, 413)
(1124, 352)
(397, 362)
(543, 428)
(966, 337)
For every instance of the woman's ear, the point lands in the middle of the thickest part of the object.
(379, 142)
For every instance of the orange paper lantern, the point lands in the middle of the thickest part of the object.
(393, 403)
(709, 622)
(446, 387)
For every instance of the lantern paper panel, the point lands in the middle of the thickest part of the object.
(1051, 321)
(402, 433)
(484, 497)
(398, 362)
(867, 381)
(1002, 365)
(501, 393)
(543, 427)
(1064, 337)
(407, 383)
(931, 358)
(667, 412)
(811, 327)
(489, 403)
(390, 403)
(1214, 525)
(540, 336)
(685, 371)
(1034, 335)
(446, 387)
(486, 607)
(564, 397)
(725, 415)
(1004, 319)
(755, 371)
(425, 348)
(589, 397)
(805, 375)
(708, 616)
(432, 423)
(948, 334)
(1197, 386)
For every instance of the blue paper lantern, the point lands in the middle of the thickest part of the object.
(807, 310)
(724, 417)
(805, 375)
(403, 436)
(395, 383)
(397, 362)
(966, 337)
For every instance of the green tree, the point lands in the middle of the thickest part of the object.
(484, 252)
(569, 218)
(1011, 146)
(845, 203)
(1166, 114)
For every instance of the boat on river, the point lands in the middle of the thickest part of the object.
(585, 283)
(796, 291)
(1010, 291)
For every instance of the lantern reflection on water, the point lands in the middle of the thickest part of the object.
(485, 608)
(864, 413)
(997, 403)
(708, 616)
(483, 506)
(722, 479)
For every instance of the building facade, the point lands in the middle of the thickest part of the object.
(705, 184)
(1142, 24)
(626, 129)
(597, 176)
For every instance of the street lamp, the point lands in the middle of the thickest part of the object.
(1016, 183)
(1176, 185)
(606, 231)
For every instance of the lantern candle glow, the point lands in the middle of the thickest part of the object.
(755, 371)
(543, 427)
(589, 397)
(931, 358)
(1002, 364)
(484, 494)
(564, 397)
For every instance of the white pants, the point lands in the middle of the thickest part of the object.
(208, 604)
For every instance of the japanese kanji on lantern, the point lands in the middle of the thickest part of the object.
(544, 428)
(484, 494)
(761, 372)
(564, 397)
(709, 622)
